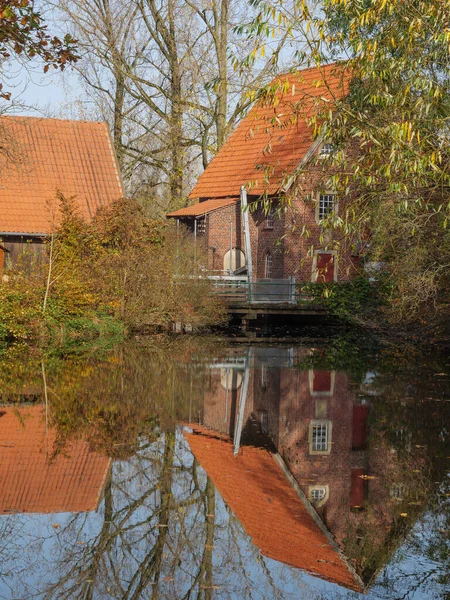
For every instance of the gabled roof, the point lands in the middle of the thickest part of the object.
(202, 208)
(41, 156)
(269, 142)
(32, 480)
(259, 494)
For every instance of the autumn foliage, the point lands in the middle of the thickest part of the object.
(122, 272)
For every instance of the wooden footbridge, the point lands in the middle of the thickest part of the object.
(265, 298)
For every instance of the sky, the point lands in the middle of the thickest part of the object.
(52, 94)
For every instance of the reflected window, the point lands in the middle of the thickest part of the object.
(320, 437)
(318, 494)
(263, 420)
(321, 383)
(264, 376)
(398, 491)
(230, 379)
(268, 266)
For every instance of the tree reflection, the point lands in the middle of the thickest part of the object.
(163, 531)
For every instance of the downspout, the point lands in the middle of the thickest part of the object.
(247, 244)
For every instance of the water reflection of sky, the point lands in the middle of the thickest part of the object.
(161, 528)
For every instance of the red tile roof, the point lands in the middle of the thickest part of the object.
(41, 156)
(260, 496)
(202, 208)
(32, 481)
(267, 139)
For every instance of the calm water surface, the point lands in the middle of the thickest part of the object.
(193, 469)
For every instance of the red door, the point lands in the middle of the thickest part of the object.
(325, 268)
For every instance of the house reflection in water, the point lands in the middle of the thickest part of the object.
(38, 477)
(288, 451)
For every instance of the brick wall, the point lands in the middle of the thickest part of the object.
(292, 253)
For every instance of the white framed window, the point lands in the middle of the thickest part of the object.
(320, 437)
(263, 420)
(326, 205)
(318, 494)
(326, 150)
(264, 376)
(270, 218)
(268, 265)
(398, 491)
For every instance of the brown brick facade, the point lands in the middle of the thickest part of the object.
(359, 469)
(291, 249)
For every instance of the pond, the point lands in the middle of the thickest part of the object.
(195, 468)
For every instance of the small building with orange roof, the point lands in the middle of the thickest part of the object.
(279, 522)
(36, 475)
(43, 157)
(262, 157)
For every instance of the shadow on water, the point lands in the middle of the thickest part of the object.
(190, 469)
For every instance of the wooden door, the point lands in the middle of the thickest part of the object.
(324, 267)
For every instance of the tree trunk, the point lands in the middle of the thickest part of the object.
(176, 115)
(222, 88)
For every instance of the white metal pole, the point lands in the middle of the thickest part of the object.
(242, 403)
(231, 248)
(247, 242)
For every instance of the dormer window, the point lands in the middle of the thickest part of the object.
(326, 150)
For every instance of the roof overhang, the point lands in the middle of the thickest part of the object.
(23, 234)
(202, 208)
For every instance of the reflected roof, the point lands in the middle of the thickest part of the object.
(32, 480)
(259, 494)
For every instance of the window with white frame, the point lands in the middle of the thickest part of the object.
(327, 149)
(264, 376)
(268, 266)
(263, 421)
(398, 491)
(270, 218)
(320, 437)
(318, 494)
(326, 206)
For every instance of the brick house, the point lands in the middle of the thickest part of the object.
(257, 491)
(41, 157)
(262, 156)
(319, 421)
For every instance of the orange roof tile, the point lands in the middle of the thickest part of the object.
(32, 481)
(267, 141)
(41, 156)
(202, 208)
(272, 514)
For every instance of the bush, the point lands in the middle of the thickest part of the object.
(122, 269)
(349, 300)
